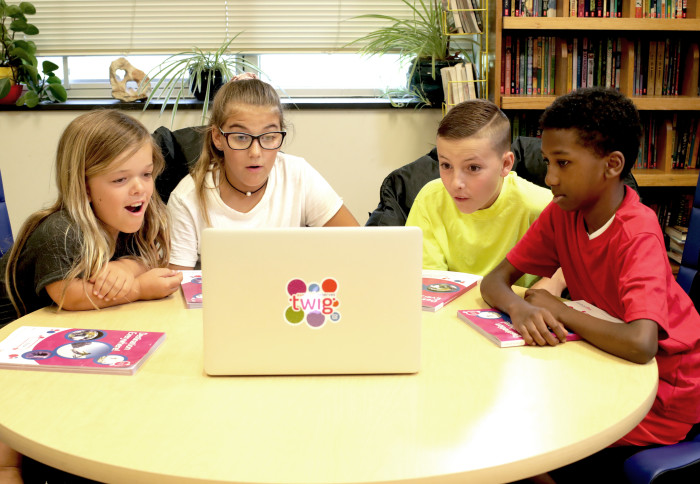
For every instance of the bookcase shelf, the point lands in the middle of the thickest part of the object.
(631, 33)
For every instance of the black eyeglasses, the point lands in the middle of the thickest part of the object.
(242, 141)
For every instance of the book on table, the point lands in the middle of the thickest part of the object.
(442, 287)
(78, 350)
(192, 288)
(498, 328)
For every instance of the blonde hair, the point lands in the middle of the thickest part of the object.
(87, 147)
(227, 102)
(479, 118)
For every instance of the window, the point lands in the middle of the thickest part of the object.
(301, 46)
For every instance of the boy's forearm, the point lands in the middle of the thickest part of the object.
(636, 341)
(496, 288)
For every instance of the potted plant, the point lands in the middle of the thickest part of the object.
(18, 58)
(197, 71)
(421, 40)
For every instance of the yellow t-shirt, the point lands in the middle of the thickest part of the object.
(476, 243)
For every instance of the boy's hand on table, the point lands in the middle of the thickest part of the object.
(535, 321)
(544, 299)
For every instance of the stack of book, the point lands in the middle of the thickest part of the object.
(676, 241)
(467, 16)
(459, 83)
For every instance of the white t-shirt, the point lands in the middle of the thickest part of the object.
(296, 196)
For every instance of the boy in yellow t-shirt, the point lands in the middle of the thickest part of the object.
(478, 209)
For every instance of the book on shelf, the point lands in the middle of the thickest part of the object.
(192, 288)
(675, 256)
(78, 350)
(678, 232)
(675, 245)
(443, 287)
(470, 86)
(498, 328)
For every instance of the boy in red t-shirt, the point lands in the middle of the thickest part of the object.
(612, 253)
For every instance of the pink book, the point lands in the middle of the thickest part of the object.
(78, 350)
(442, 287)
(192, 288)
(497, 327)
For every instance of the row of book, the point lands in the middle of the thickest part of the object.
(459, 83)
(466, 15)
(596, 8)
(529, 65)
(673, 213)
(530, 8)
(686, 142)
(661, 9)
(659, 66)
(593, 61)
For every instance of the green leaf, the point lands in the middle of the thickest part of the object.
(59, 92)
(31, 29)
(26, 57)
(31, 99)
(27, 8)
(18, 25)
(53, 79)
(48, 67)
(13, 11)
(5, 86)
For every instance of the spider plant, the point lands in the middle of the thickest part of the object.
(194, 70)
(420, 38)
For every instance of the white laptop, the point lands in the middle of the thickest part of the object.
(297, 301)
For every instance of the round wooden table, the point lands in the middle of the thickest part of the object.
(474, 412)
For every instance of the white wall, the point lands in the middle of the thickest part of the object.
(354, 150)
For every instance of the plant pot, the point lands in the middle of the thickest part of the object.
(201, 93)
(15, 93)
(422, 79)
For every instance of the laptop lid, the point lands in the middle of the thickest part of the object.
(332, 300)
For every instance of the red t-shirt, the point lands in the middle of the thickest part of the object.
(625, 271)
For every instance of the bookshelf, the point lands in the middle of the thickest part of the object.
(630, 31)
(471, 17)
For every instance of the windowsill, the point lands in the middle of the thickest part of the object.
(193, 104)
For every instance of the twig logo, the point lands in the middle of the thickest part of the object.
(314, 303)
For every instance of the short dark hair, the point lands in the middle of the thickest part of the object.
(477, 117)
(604, 119)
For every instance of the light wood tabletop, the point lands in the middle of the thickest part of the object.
(474, 412)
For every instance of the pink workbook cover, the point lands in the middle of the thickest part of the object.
(78, 350)
(442, 287)
(497, 327)
(192, 288)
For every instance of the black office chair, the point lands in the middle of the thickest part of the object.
(678, 462)
(181, 149)
(6, 239)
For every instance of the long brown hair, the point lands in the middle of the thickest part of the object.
(228, 99)
(87, 147)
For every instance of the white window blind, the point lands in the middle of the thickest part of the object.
(123, 27)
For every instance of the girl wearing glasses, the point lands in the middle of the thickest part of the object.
(243, 180)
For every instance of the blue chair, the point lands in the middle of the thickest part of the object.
(691, 250)
(6, 239)
(678, 462)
